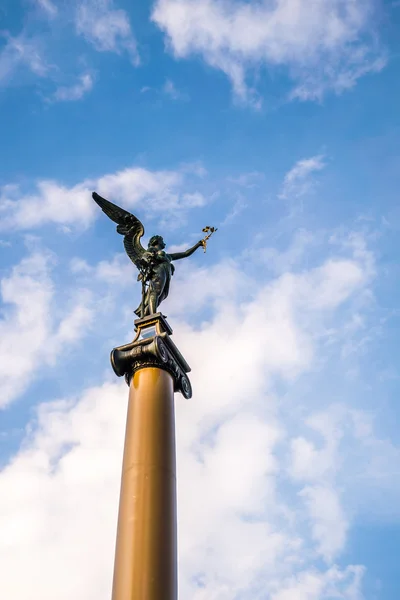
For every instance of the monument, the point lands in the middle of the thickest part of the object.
(145, 566)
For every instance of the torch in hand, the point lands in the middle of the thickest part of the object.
(209, 231)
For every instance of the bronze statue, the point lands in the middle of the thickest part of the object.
(155, 266)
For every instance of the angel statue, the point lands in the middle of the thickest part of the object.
(155, 266)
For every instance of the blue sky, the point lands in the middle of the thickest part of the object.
(278, 123)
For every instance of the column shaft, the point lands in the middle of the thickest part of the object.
(146, 549)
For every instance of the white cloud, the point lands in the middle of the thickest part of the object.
(168, 89)
(21, 52)
(157, 192)
(171, 90)
(76, 91)
(75, 323)
(239, 528)
(52, 203)
(58, 471)
(247, 180)
(299, 181)
(48, 7)
(323, 45)
(238, 207)
(79, 265)
(334, 583)
(342, 464)
(329, 525)
(31, 333)
(106, 27)
(117, 271)
(285, 260)
(346, 435)
(247, 533)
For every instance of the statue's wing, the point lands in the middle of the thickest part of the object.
(127, 225)
(114, 212)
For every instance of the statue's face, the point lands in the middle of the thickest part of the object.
(157, 244)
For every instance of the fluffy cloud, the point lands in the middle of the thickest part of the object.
(59, 472)
(76, 91)
(238, 530)
(21, 52)
(332, 584)
(50, 203)
(299, 180)
(32, 334)
(331, 438)
(158, 192)
(48, 7)
(106, 27)
(260, 505)
(170, 89)
(323, 45)
(328, 523)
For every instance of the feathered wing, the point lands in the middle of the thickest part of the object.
(127, 225)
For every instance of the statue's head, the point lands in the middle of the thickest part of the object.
(156, 242)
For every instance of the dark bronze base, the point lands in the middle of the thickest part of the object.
(152, 347)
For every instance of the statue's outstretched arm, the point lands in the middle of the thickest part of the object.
(178, 255)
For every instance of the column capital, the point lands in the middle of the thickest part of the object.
(152, 347)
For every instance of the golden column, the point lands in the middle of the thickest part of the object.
(145, 565)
